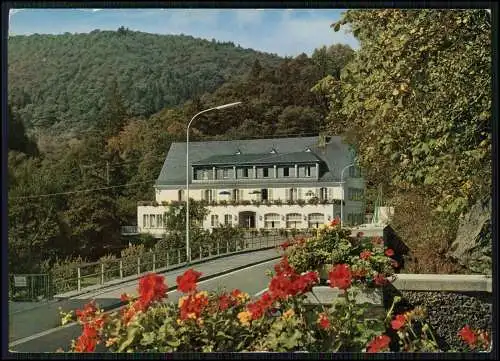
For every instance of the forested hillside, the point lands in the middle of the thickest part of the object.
(61, 81)
(69, 193)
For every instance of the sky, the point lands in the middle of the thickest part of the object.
(286, 32)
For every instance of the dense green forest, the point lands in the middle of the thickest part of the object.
(60, 81)
(95, 178)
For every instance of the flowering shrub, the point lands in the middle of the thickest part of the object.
(369, 262)
(475, 339)
(279, 320)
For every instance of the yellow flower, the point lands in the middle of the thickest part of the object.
(179, 321)
(201, 294)
(200, 321)
(243, 296)
(244, 318)
(289, 313)
(181, 300)
(191, 315)
(111, 341)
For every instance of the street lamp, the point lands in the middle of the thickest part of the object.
(343, 195)
(188, 253)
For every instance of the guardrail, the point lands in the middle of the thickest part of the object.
(99, 273)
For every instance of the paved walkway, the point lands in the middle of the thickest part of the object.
(28, 322)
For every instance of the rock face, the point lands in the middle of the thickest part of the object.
(472, 247)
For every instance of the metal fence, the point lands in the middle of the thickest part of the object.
(99, 273)
(29, 287)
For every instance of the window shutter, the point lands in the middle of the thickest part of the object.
(299, 193)
(270, 193)
(330, 193)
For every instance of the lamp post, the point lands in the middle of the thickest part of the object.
(188, 253)
(343, 195)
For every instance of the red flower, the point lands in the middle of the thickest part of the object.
(283, 267)
(366, 254)
(340, 276)
(335, 222)
(88, 311)
(224, 302)
(235, 293)
(85, 344)
(256, 309)
(379, 343)
(380, 280)
(468, 336)
(193, 305)
(187, 282)
(389, 252)
(285, 245)
(398, 322)
(151, 288)
(323, 321)
(124, 297)
(89, 331)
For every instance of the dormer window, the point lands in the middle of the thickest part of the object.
(266, 172)
(273, 151)
(307, 149)
(238, 152)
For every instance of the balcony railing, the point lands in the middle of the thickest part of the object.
(129, 230)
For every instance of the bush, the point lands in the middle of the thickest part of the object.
(64, 273)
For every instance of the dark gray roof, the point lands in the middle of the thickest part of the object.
(259, 158)
(334, 155)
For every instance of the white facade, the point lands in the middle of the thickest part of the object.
(268, 215)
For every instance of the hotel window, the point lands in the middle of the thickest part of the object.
(152, 221)
(159, 221)
(266, 172)
(228, 219)
(308, 171)
(204, 175)
(225, 173)
(214, 220)
(145, 221)
(355, 194)
(245, 172)
(286, 172)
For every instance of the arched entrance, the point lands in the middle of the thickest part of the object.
(246, 219)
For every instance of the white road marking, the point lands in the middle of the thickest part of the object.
(260, 292)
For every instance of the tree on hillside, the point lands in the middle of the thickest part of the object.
(416, 101)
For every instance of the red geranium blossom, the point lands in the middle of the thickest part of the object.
(360, 273)
(235, 293)
(151, 288)
(283, 267)
(224, 302)
(366, 254)
(124, 297)
(398, 322)
(340, 276)
(193, 305)
(335, 222)
(85, 344)
(323, 321)
(187, 282)
(468, 336)
(88, 311)
(380, 280)
(389, 252)
(379, 343)
(285, 245)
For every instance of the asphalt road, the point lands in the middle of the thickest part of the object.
(38, 330)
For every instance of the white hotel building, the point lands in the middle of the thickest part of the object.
(260, 183)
